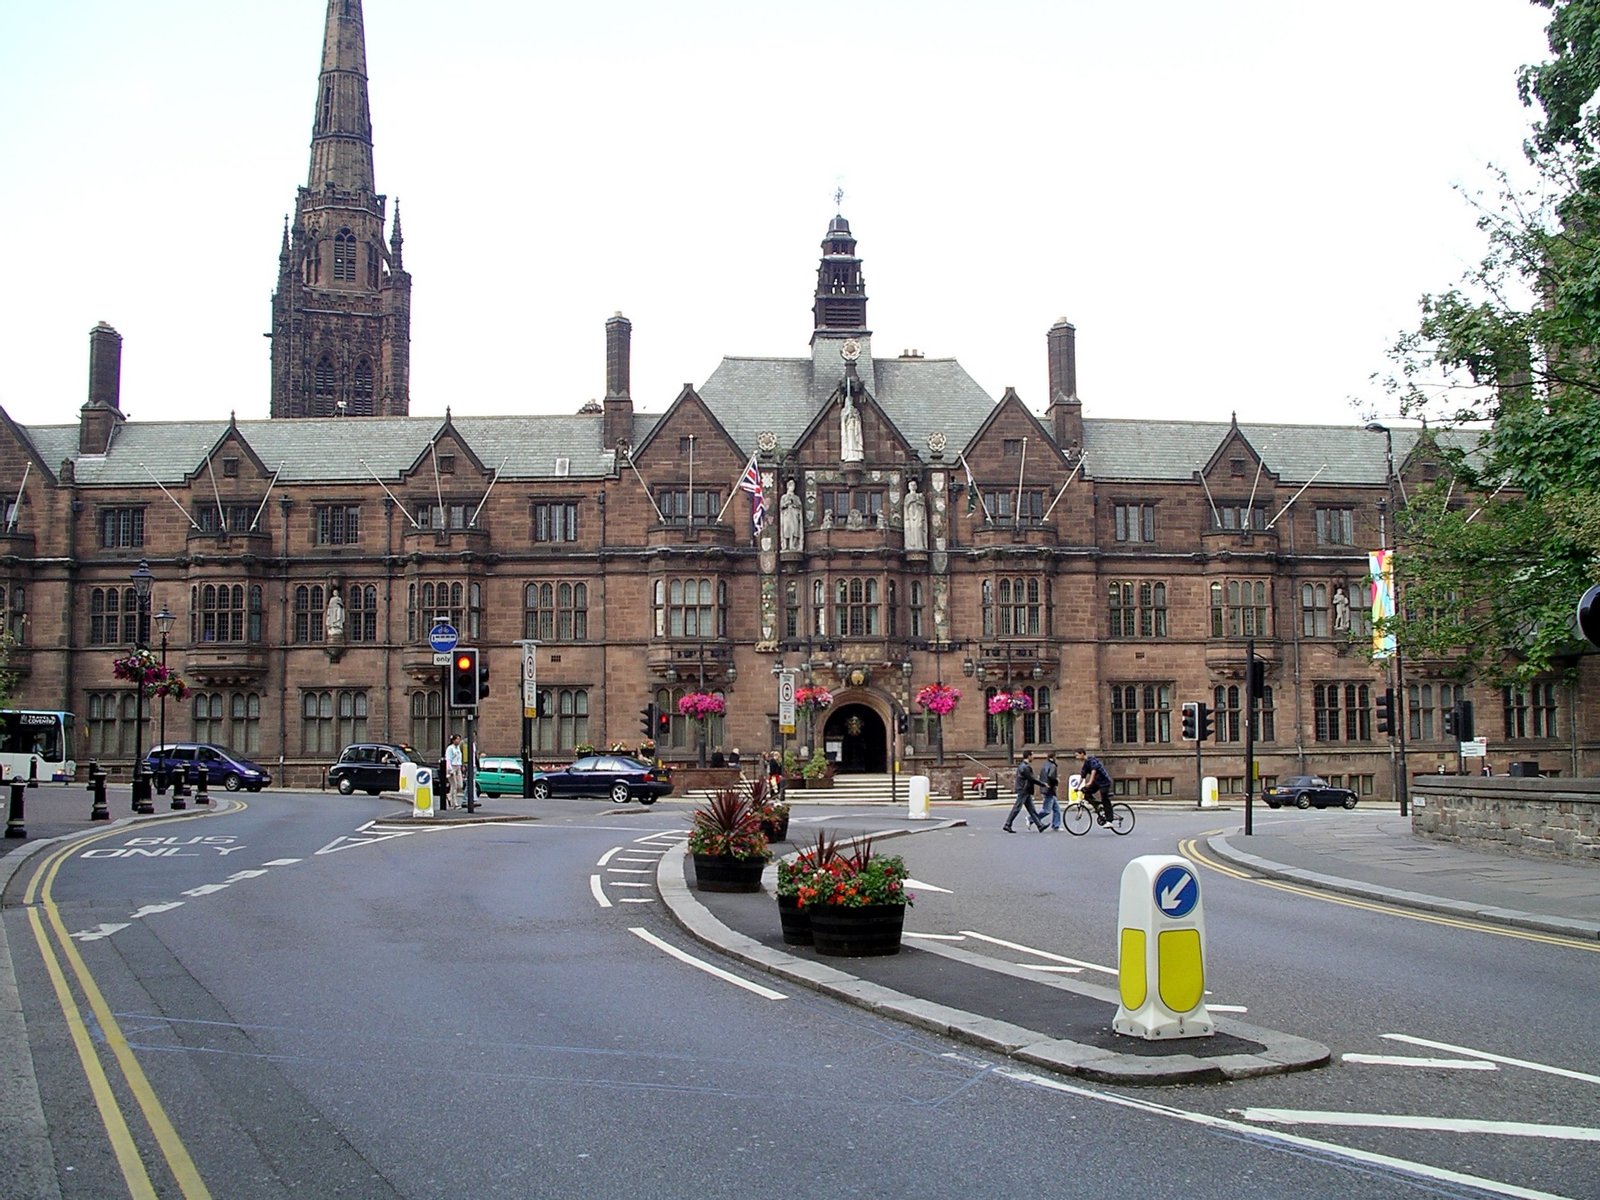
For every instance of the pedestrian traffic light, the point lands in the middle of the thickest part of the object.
(647, 720)
(663, 725)
(1464, 729)
(1191, 722)
(483, 675)
(1202, 714)
(464, 679)
(1386, 711)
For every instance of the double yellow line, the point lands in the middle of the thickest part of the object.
(1190, 849)
(42, 912)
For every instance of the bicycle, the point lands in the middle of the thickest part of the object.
(1079, 817)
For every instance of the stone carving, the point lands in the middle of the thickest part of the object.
(850, 445)
(791, 520)
(916, 518)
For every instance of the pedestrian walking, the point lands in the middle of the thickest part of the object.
(1049, 787)
(453, 768)
(1025, 782)
(1095, 785)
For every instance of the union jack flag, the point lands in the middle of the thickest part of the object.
(750, 482)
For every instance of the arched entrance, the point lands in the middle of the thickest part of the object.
(861, 736)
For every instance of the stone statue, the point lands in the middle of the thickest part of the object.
(1341, 609)
(916, 518)
(791, 520)
(333, 619)
(850, 447)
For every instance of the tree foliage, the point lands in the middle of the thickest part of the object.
(1493, 556)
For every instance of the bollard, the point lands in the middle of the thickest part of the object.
(441, 775)
(422, 793)
(1161, 975)
(180, 783)
(201, 796)
(33, 771)
(14, 826)
(175, 778)
(97, 791)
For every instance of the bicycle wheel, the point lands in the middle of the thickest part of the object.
(1077, 818)
(1121, 820)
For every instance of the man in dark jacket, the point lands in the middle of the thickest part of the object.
(1050, 785)
(1025, 782)
(1095, 784)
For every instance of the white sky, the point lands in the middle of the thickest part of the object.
(1237, 202)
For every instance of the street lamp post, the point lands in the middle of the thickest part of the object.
(142, 579)
(164, 620)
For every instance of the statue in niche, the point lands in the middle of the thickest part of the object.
(791, 520)
(333, 618)
(916, 515)
(855, 520)
(850, 446)
(827, 519)
(1341, 608)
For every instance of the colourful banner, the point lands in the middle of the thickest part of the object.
(1381, 564)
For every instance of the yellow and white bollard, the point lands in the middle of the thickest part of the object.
(422, 797)
(1161, 952)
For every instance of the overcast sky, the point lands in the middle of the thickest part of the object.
(1237, 202)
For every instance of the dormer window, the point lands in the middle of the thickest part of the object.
(1236, 466)
(230, 467)
(447, 464)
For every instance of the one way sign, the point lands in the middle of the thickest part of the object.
(1176, 891)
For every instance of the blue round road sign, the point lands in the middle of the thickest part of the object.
(443, 638)
(1177, 891)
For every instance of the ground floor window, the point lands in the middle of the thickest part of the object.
(426, 727)
(109, 721)
(563, 720)
(330, 720)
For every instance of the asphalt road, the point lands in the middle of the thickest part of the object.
(298, 1000)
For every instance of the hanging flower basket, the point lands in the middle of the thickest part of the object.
(1006, 704)
(143, 668)
(939, 698)
(702, 706)
(813, 699)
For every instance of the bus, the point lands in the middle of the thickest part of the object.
(27, 734)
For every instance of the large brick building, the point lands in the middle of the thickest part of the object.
(918, 530)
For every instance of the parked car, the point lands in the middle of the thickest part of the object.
(223, 766)
(499, 776)
(371, 767)
(615, 775)
(1303, 791)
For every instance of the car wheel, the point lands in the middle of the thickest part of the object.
(619, 793)
(541, 790)
(647, 799)
(346, 785)
(1302, 801)
(1349, 801)
(231, 781)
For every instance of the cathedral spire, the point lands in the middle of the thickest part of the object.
(341, 134)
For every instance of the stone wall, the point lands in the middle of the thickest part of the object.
(1547, 818)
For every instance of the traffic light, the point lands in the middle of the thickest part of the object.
(663, 725)
(1258, 677)
(1202, 715)
(483, 675)
(1452, 721)
(1386, 711)
(1458, 721)
(647, 720)
(902, 722)
(464, 679)
(1191, 722)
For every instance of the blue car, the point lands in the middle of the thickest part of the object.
(223, 767)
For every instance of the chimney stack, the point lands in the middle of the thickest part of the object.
(99, 417)
(617, 424)
(1064, 411)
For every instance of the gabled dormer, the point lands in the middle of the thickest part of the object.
(1016, 469)
(1239, 487)
(446, 485)
(227, 489)
(690, 466)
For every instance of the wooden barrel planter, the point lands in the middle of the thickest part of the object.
(867, 931)
(796, 921)
(776, 831)
(725, 873)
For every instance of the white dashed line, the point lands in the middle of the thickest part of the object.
(701, 965)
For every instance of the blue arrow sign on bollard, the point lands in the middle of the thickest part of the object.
(1177, 891)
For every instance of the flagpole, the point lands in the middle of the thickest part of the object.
(972, 487)
(1022, 468)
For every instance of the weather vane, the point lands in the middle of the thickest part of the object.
(838, 197)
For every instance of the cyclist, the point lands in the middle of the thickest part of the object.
(1095, 784)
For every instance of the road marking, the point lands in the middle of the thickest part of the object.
(99, 931)
(239, 876)
(205, 889)
(701, 965)
(627, 871)
(936, 937)
(599, 892)
(1331, 1149)
(150, 910)
(636, 860)
(1051, 967)
(1497, 1058)
(345, 843)
(281, 862)
(1404, 1060)
(1358, 1120)
(606, 857)
(627, 883)
(1076, 962)
(926, 887)
(636, 899)
(1233, 1008)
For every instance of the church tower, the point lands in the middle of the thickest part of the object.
(341, 315)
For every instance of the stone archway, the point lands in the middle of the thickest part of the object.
(862, 738)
